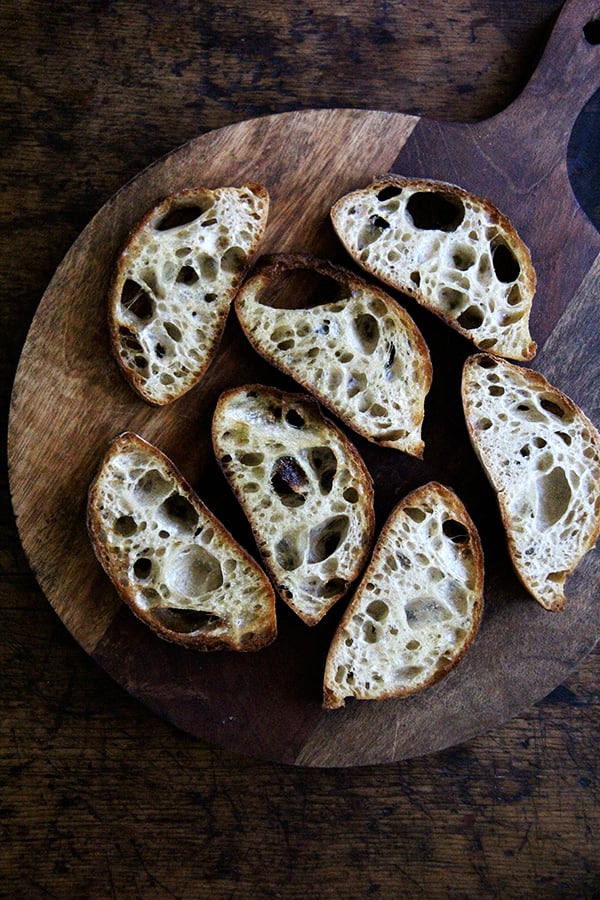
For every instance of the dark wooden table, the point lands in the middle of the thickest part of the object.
(99, 797)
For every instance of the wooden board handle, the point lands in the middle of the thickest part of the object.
(566, 77)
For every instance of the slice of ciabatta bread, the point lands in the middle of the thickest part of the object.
(542, 457)
(455, 253)
(303, 487)
(357, 351)
(418, 605)
(174, 282)
(170, 559)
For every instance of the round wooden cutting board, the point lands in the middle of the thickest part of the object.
(69, 401)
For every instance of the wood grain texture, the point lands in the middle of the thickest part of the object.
(307, 160)
(99, 797)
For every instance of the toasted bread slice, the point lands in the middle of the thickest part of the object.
(174, 282)
(418, 605)
(542, 457)
(358, 352)
(455, 253)
(304, 489)
(170, 559)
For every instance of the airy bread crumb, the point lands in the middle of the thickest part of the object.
(542, 456)
(354, 348)
(170, 559)
(174, 283)
(418, 605)
(304, 489)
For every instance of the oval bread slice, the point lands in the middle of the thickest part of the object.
(170, 559)
(174, 282)
(358, 352)
(418, 605)
(542, 457)
(455, 253)
(304, 489)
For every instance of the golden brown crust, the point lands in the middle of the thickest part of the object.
(265, 630)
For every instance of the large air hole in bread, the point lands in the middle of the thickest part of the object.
(435, 210)
(300, 288)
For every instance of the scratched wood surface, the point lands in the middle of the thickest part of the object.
(511, 813)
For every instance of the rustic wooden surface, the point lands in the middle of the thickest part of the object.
(99, 796)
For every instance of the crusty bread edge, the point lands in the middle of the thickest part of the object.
(539, 381)
(367, 481)
(413, 291)
(130, 440)
(135, 381)
(331, 699)
(272, 265)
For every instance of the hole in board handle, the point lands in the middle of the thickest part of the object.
(591, 30)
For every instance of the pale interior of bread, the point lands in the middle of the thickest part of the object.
(178, 565)
(306, 494)
(358, 353)
(450, 253)
(542, 456)
(416, 608)
(177, 282)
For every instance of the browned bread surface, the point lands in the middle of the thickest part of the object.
(304, 489)
(455, 253)
(170, 559)
(418, 605)
(542, 456)
(174, 282)
(353, 347)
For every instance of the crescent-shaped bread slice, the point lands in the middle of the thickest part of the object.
(170, 559)
(350, 345)
(455, 253)
(542, 456)
(418, 606)
(174, 282)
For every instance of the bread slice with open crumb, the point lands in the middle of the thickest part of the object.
(170, 559)
(175, 280)
(418, 606)
(304, 489)
(542, 456)
(455, 253)
(353, 347)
